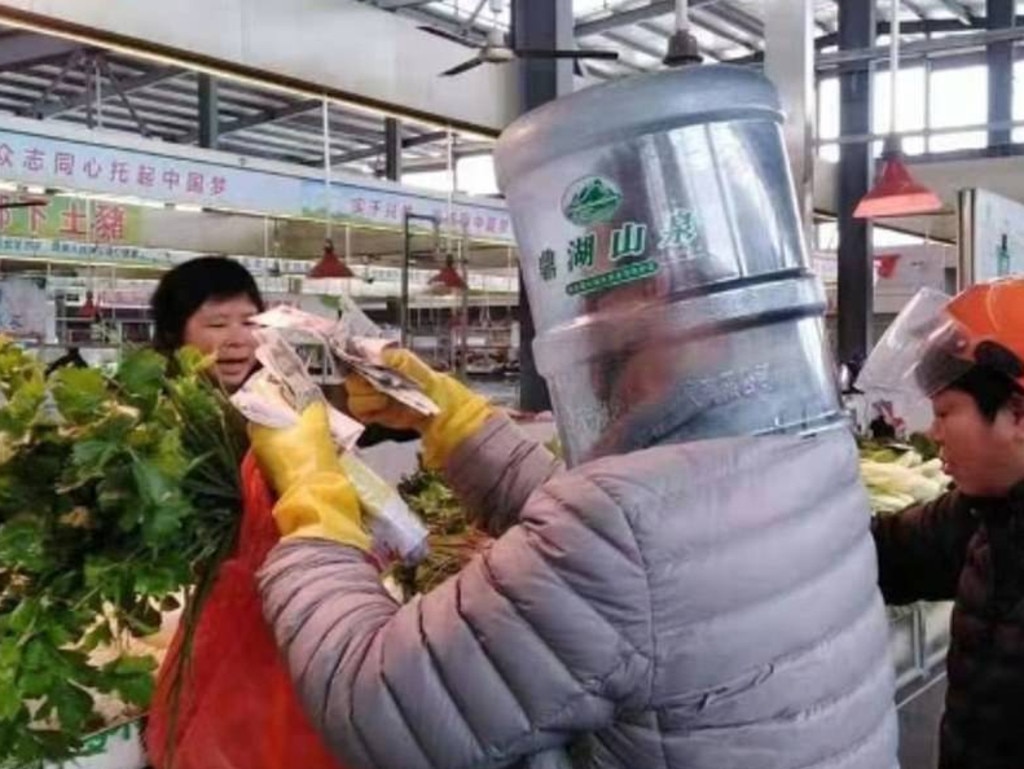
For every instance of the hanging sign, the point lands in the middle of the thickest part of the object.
(30, 155)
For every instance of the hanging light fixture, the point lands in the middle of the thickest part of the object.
(896, 192)
(330, 265)
(682, 46)
(448, 278)
(89, 310)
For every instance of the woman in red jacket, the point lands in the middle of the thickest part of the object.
(235, 707)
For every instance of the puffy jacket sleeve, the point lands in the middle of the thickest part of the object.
(496, 470)
(921, 551)
(522, 649)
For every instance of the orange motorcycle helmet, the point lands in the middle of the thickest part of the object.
(936, 339)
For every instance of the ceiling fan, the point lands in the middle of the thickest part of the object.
(29, 203)
(496, 49)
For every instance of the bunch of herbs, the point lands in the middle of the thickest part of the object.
(117, 493)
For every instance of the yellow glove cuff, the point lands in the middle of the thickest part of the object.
(286, 456)
(322, 506)
(447, 431)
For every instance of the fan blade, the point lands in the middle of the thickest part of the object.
(450, 36)
(607, 55)
(24, 204)
(464, 67)
(533, 53)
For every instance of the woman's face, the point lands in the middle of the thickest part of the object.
(223, 327)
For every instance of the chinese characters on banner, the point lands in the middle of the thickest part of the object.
(358, 204)
(91, 167)
(126, 172)
(70, 219)
(493, 223)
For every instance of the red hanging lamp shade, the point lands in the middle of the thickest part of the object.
(330, 265)
(896, 191)
(89, 309)
(448, 277)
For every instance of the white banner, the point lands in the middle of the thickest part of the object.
(94, 164)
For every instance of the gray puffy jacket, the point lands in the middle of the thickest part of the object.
(711, 605)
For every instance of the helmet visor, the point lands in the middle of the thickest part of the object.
(923, 351)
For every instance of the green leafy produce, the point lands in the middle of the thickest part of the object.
(453, 538)
(117, 493)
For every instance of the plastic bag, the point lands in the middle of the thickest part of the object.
(237, 707)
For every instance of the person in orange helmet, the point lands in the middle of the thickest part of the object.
(967, 356)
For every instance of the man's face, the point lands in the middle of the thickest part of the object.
(985, 458)
(223, 327)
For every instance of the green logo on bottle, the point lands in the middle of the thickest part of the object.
(591, 200)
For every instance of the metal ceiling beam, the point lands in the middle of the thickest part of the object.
(737, 18)
(119, 118)
(702, 21)
(261, 118)
(654, 29)
(127, 86)
(915, 9)
(624, 18)
(413, 166)
(342, 128)
(959, 11)
(636, 45)
(394, 5)
(999, 14)
(260, 151)
(922, 27)
(71, 63)
(122, 95)
(372, 152)
(922, 47)
(720, 12)
(26, 49)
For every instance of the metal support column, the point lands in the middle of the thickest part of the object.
(392, 149)
(208, 111)
(855, 282)
(789, 63)
(544, 24)
(999, 14)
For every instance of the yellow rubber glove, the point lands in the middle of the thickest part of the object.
(315, 498)
(463, 412)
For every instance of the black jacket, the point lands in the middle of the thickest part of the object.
(972, 552)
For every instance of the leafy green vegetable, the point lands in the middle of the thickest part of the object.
(117, 493)
(453, 537)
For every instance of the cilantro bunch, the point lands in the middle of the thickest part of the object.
(117, 493)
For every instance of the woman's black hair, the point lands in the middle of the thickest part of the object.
(992, 390)
(185, 289)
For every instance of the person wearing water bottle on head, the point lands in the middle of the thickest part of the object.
(698, 589)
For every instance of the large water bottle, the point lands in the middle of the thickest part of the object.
(664, 261)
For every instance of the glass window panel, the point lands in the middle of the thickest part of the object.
(910, 104)
(828, 109)
(959, 97)
(829, 152)
(913, 145)
(964, 140)
(476, 175)
(1018, 97)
